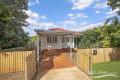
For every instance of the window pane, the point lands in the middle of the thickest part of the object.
(47, 39)
(55, 39)
(51, 39)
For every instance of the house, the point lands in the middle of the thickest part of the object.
(55, 38)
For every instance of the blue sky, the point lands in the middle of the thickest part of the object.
(76, 15)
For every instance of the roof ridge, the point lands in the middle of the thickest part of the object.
(58, 29)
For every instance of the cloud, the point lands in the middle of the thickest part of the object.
(46, 25)
(34, 17)
(70, 15)
(86, 27)
(83, 23)
(39, 25)
(112, 13)
(97, 12)
(37, 1)
(43, 24)
(37, 21)
(85, 16)
(81, 4)
(32, 14)
(69, 22)
(101, 5)
(75, 19)
(74, 16)
(90, 26)
(31, 3)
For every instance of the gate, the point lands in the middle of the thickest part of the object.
(83, 60)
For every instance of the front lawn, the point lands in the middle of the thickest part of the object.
(107, 68)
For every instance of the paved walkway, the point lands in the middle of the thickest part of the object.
(59, 68)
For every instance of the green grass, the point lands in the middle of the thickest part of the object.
(107, 68)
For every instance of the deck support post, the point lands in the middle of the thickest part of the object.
(37, 47)
(76, 42)
(71, 38)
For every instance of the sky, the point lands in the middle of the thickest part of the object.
(74, 15)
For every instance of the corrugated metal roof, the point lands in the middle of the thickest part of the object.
(58, 29)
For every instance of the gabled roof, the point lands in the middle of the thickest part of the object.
(58, 29)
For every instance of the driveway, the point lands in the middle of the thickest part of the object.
(59, 68)
(73, 73)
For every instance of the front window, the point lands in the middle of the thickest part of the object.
(51, 39)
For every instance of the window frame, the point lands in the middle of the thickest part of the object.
(51, 39)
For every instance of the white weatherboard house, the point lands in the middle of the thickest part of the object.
(55, 38)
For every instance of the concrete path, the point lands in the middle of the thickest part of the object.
(59, 68)
(73, 73)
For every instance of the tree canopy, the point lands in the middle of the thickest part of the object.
(115, 4)
(12, 19)
(107, 35)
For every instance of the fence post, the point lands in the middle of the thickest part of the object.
(104, 56)
(90, 65)
(77, 57)
(25, 69)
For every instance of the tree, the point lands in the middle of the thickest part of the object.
(33, 38)
(89, 38)
(107, 35)
(115, 4)
(110, 33)
(12, 19)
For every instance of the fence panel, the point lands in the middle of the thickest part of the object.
(12, 64)
(106, 63)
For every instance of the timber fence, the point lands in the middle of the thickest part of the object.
(86, 58)
(17, 64)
